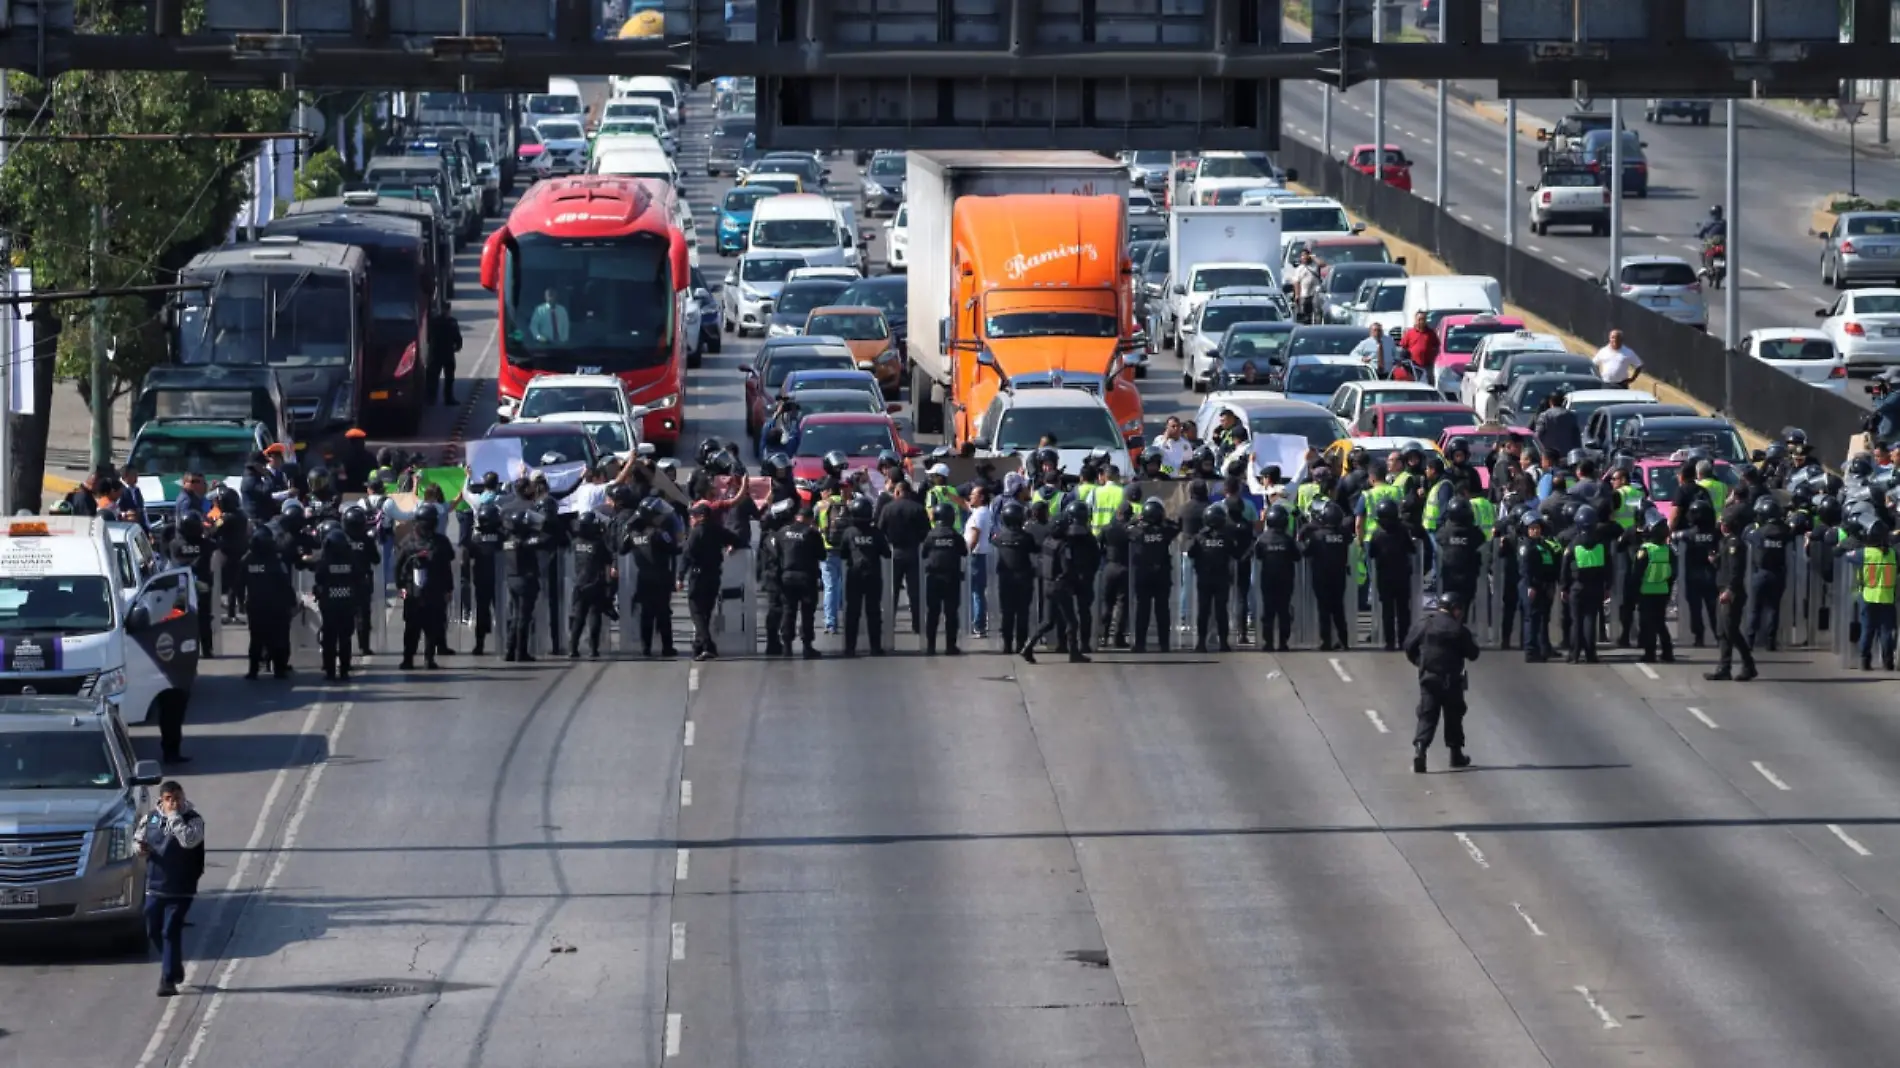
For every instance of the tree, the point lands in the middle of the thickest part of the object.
(165, 202)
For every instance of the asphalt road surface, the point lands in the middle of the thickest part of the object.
(1205, 861)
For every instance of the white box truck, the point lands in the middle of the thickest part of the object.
(933, 181)
(1226, 235)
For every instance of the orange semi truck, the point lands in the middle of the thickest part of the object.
(1039, 291)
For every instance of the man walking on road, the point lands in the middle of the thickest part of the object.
(1440, 645)
(172, 841)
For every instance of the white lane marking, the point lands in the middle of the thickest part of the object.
(1704, 717)
(1535, 249)
(682, 865)
(679, 941)
(1781, 285)
(238, 871)
(1487, 226)
(1373, 715)
(690, 727)
(1692, 247)
(1528, 922)
(1558, 259)
(1466, 216)
(1460, 153)
(295, 824)
(692, 681)
(1648, 672)
(686, 793)
(1471, 847)
(1339, 669)
(1773, 779)
(1586, 272)
(1848, 840)
(1751, 272)
(673, 1029)
(1497, 170)
(1609, 1022)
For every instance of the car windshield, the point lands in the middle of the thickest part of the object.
(562, 131)
(1326, 342)
(56, 760)
(553, 104)
(1324, 378)
(852, 326)
(1530, 396)
(286, 319)
(1387, 299)
(1796, 348)
(784, 364)
(609, 435)
(1151, 158)
(795, 233)
(1307, 220)
(1219, 317)
(1586, 408)
(1571, 180)
(1557, 365)
(1072, 428)
(1344, 279)
(1874, 225)
(1428, 424)
(54, 604)
(526, 136)
(865, 384)
(166, 454)
(888, 166)
(780, 183)
(1207, 281)
(1464, 339)
(1234, 167)
(1876, 304)
(1050, 324)
(1721, 444)
(1318, 430)
(797, 299)
(1666, 479)
(553, 400)
(1658, 274)
(568, 446)
(768, 268)
(853, 438)
(601, 302)
(644, 125)
(734, 128)
(809, 403)
(889, 299)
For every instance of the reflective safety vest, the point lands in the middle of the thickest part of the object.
(1104, 503)
(1303, 500)
(1659, 567)
(1547, 551)
(1628, 500)
(823, 515)
(1374, 496)
(1401, 480)
(1432, 507)
(945, 494)
(1876, 575)
(1589, 557)
(1484, 514)
(1717, 490)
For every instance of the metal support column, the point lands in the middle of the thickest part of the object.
(1732, 245)
(1510, 173)
(1439, 148)
(8, 313)
(1326, 121)
(1378, 89)
(1616, 195)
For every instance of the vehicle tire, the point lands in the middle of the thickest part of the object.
(694, 358)
(1141, 370)
(1187, 381)
(927, 416)
(1643, 193)
(1825, 280)
(715, 343)
(1840, 280)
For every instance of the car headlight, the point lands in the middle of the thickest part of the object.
(781, 330)
(872, 189)
(749, 293)
(119, 838)
(887, 356)
(728, 225)
(671, 400)
(109, 683)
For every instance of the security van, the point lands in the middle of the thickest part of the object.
(71, 624)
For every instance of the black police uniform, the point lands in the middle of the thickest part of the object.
(188, 548)
(1539, 562)
(1326, 547)
(1277, 556)
(522, 551)
(865, 550)
(554, 539)
(801, 553)
(1087, 555)
(1152, 558)
(339, 574)
(270, 601)
(369, 560)
(1116, 541)
(1242, 533)
(765, 570)
(1212, 552)
(482, 561)
(1767, 579)
(1389, 553)
(704, 557)
(1440, 645)
(944, 555)
(231, 535)
(593, 590)
(1585, 587)
(906, 524)
(1505, 540)
(1056, 567)
(1700, 542)
(425, 573)
(649, 538)
(1731, 583)
(1017, 549)
(1460, 557)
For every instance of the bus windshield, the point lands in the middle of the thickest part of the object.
(288, 319)
(604, 302)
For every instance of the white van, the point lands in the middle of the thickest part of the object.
(1452, 294)
(68, 627)
(563, 100)
(658, 88)
(634, 157)
(803, 224)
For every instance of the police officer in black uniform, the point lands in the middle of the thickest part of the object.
(704, 556)
(801, 554)
(231, 533)
(1277, 553)
(1153, 561)
(593, 583)
(554, 541)
(188, 547)
(1212, 552)
(1460, 559)
(339, 576)
(1541, 570)
(1440, 646)
(356, 527)
(649, 539)
(1326, 543)
(865, 550)
(1586, 578)
(522, 552)
(1116, 541)
(1240, 529)
(1057, 567)
(1700, 541)
(1087, 555)
(944, 554)
(482, 557)
(1389, 554)
(905, 524)
(1017, 550)
(1731, 584)
(1768, 546)
(765, 567)
(270, 601)
(425, 575)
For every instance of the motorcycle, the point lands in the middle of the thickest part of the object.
(1714, 265)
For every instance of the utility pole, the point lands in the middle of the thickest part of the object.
(101, 380)
(1510, 173)
(8, 334)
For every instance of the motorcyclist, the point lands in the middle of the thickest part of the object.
(1714, 235)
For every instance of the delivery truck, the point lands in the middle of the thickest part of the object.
(1198, 235)
(933, 183)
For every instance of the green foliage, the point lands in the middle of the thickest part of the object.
(1846, 204)
(165, 201)
(322, 175)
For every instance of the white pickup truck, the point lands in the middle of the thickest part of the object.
(1569, 196)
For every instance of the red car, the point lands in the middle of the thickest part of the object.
(1398, 169)
(762, 380)
(1458, 337)
(1661, 476)
(1424, 420)
(861, 436)
(1482, 441)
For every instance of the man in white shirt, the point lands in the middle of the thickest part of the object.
(1375, 351)
(1174, 447)
(549, 321)
(976, 532)
(1306, 282)
(1617, 365)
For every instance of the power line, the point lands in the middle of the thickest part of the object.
(48, 296)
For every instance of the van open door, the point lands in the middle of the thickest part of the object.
(161, 647)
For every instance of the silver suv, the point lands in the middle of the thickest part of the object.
(72, 794)
(1666, 285)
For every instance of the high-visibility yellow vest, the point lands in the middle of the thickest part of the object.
(1104, 503)
(1659, 567)
(1485, 514)
(1876, 575)
(1432, 507)
(823, 512)
(945, 494)
(1401, 480)
(1376, 495)
(1628, 500)
(1588, 557)
(1717, 490)
(1303, 500)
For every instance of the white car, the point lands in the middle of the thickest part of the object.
(842, 274)
(1140, 202)
(1018, 419)
(1186, 295)
(1487, 360)
(1381, 301)
(752, 286)
(897, 239)
(1804, 354)
(1351, 400)
(563, 145)
(1585, 402)
(1202, 334)
(614, 434)
(548, 395)
(1864, 325)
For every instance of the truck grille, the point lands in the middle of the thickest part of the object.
(28, 859)
(303, 411)
(49, 685)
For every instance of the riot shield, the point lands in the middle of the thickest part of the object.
(887, 621)
(1847, 630)
(1484, 616)
(1305, 608)
(735, 614)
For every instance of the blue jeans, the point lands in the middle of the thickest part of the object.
(832, 576)
(979, 593)
(1876, 631)
(165, 926)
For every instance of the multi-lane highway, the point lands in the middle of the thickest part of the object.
(1160, 861)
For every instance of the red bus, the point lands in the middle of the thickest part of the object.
(593, 279)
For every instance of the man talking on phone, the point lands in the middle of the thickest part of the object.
(172, 841)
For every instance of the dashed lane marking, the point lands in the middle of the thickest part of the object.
(1499, 171)
(679, 940)
(1535, 250)
(1609, 1022)
(1461, 153)
(691, 729)
(692, 680)
(1339, 669)
(1466, 216)
(1848, 840)
(1704, 718)
(1751, 272)
(686, 793)
(1373, 715)
(1773, 779)
(1558, 259)
(1648, 672)
(682, 865)
(1471, 847)
(1528, 922)
(674, 1026)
